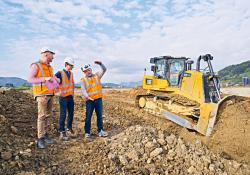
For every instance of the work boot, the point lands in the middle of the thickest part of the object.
(41, 143)
(87, 135)
(63, 136)
(48, 140)
(70, 133)
(103, 133)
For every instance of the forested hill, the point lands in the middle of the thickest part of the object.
(234, 73)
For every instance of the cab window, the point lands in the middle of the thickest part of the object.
(176, 68)
(160, 71)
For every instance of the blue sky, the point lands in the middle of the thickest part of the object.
(122, 34)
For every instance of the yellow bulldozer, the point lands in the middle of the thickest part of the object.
(186, 96)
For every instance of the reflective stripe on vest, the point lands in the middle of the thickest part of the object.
(95, 92)
(41, 69)
(93, 86)
(40, 89)
(67, 85)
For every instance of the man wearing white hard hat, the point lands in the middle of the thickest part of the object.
(92, 91)
(66, 99)
(44, 82)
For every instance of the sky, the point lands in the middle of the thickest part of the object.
(123, 34)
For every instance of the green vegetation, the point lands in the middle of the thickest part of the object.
(234, 73)
(21, 88)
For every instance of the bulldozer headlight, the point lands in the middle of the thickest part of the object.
(186, 75)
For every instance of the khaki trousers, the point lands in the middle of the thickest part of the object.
(44, 104)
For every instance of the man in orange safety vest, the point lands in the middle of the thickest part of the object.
(41, 76)
(66, 99)
(92, 91)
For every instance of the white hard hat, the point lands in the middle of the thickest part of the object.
(86, 67)
(69, 60)
(47, 49)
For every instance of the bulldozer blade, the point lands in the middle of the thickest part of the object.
(212, 120)
(177, 119)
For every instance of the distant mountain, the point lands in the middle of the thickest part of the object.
(118, 85)
(234, 73)
(131, 84)
(110, 85)
(15, 81)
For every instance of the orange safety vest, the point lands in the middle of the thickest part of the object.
(93, 86)
(40, 89)
(67, 86)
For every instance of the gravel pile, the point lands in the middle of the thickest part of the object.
(145, 150)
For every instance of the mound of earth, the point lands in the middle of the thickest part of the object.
(18, 112)
(18, 117)
(18, 130)
(232, 131)
(146, 150)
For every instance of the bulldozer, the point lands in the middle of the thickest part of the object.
(189, 97)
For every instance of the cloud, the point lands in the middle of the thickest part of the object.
(124, 34)
(62, 14)
(132, 5)
(126, 26)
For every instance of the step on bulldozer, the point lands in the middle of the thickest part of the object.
(190, 98)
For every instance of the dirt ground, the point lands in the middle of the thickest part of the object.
(138, 143)
(241, 91)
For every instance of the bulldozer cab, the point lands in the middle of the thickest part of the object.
(169, 68)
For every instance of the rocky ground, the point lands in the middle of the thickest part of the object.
(139, 143)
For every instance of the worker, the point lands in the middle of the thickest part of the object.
(43, 80)
(92, 91)
(66, 99)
